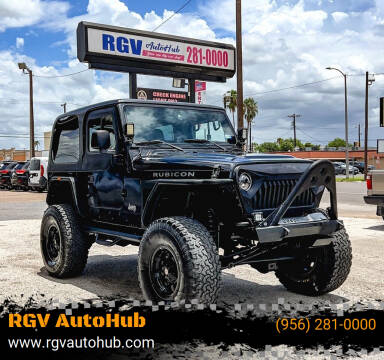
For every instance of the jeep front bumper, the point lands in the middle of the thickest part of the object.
(314, 224)
(276, 227)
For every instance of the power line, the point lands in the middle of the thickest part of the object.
(40, 102)
(292, 87)
(19, 136)
(60, 76)
(176, 12)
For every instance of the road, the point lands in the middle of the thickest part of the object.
(112, 271)
(18, 205)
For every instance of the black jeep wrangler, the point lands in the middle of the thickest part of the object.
(173, 179)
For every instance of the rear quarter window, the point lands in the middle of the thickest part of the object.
(66, 146)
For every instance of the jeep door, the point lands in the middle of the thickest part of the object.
(105, 178)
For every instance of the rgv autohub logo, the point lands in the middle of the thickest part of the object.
(123, 44)
(73, 321)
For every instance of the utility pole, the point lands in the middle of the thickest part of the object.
(64, 107)
(294, 116)
(24, 67)
(368, 82)
(239, 65)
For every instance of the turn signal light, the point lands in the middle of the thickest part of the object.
(41, 170)
(369, 182)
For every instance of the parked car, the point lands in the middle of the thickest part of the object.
(360, 166)
(5, 180)
(338, 168)
(375, 190)
(3, 165)
(20, 176)
(38, 173)
(343, 169)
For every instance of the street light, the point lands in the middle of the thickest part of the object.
(24, 67)
(346, 120)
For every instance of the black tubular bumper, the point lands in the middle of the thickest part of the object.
(320, 174)
(277, 233)
(374, 199)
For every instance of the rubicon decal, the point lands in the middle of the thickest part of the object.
(173, 174)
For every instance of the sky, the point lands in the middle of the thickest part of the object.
(285, 44)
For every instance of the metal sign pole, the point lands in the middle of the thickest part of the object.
(132, 85)
(191, 91)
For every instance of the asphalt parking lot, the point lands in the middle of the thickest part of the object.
(111, 271)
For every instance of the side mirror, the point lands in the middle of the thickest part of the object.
(242, 135)
(100, 140)
(129, 131)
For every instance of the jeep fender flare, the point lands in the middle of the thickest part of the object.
(69, 181)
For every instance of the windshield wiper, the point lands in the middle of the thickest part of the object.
(154, 142)
(204, 141)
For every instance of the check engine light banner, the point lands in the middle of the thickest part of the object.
(151, 48)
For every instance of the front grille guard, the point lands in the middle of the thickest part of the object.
(320, 173)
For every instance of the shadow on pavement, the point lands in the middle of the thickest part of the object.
(376, 227)
(116, 277)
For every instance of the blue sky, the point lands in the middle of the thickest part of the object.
(52, 52)
(285, 43)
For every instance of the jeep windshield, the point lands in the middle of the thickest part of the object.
(186, 127)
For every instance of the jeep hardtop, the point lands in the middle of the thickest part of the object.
(173, 179)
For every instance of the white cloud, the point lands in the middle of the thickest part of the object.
(282, 46)
(29, 12)
(19, 42)
(339, 16)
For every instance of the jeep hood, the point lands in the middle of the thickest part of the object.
(207, 161)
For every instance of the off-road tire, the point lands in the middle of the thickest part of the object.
(194, 252)
(329, 274)
(74, 245)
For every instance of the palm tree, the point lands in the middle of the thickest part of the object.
(250, 110)
(230, 102)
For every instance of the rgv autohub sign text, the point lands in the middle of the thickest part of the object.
(68, 321)
(151, 48)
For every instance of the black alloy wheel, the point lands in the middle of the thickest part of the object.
(165, 273)
(52, 243)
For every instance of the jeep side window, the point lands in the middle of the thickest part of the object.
(66, 147)
(101, 121)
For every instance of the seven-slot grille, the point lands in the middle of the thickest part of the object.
(272, 193)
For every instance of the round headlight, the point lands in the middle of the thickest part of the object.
(245, 181)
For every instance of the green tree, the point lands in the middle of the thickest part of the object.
(230, 102)
(267, 147)
(337, 142)
(250, 111)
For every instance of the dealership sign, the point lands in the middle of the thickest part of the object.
(162, 95)
(130, 50)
